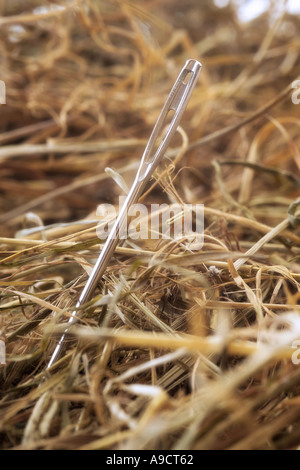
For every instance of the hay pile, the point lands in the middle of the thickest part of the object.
(182, 349)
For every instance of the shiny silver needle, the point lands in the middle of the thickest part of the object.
(177, 102)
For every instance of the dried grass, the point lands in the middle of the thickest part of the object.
(177, 350)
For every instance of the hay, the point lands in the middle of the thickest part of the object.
(177, 349)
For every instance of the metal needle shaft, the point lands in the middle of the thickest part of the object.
(155, 149)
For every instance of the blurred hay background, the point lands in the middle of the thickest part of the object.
(181, 349)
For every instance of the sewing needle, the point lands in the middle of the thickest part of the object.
(155, 149)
